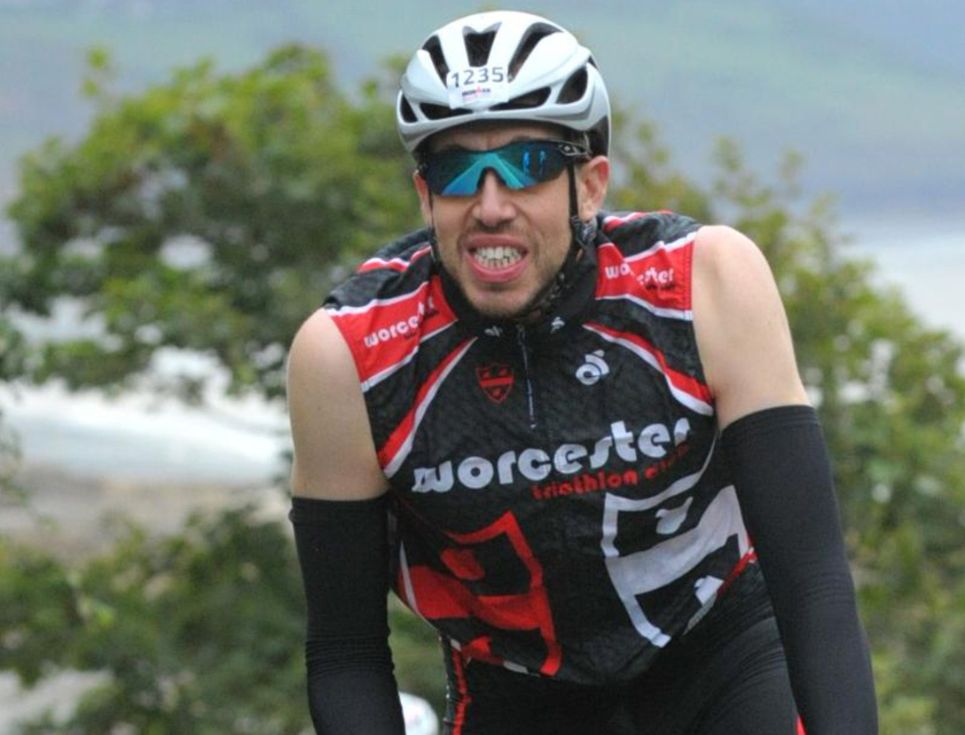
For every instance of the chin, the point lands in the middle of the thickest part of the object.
(504, 301)
(502, 307)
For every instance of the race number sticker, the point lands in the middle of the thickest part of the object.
(477, 87)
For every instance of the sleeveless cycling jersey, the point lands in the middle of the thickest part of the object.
(561, 506)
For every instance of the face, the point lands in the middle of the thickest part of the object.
(505, 247)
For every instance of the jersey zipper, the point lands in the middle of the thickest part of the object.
(527, 378)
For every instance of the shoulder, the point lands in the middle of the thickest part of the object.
(322, 379)
(729, 264)
(334, 455)
(741, 327)
(318, 347)
(733, 285)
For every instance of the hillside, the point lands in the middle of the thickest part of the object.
(878, 111)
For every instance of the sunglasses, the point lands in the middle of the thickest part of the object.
(459, 172)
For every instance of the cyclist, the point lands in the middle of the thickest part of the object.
(574, 441)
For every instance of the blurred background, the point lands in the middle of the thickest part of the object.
(182, 182)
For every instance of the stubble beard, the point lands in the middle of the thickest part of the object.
(529, 311)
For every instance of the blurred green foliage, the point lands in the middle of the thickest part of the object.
(206, 214)
(213, 212)
(202, 632)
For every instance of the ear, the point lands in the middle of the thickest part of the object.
(594, 176)
(425, 197)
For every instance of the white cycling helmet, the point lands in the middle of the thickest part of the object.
(502, 65)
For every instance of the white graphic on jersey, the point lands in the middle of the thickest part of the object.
(705, 589)
(671, 519)
(654, 441)
(595, 367)
(645, 571)
(639, 572)
(401, 328)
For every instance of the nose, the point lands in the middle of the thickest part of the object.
(493, 204)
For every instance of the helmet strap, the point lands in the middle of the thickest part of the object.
(582, 232)
(433, 240)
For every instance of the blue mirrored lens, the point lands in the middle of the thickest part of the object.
(467, 182)
(459, 172)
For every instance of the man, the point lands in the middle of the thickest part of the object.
(575, 442)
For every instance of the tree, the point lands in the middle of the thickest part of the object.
(12, 351)
(212, 213)
(201, 632)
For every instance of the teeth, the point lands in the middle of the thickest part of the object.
(497, 257)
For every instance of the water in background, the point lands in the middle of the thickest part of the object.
(141, 439)
(926, 261)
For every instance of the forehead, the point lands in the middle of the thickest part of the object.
(484, 136)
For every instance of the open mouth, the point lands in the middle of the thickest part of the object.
(496, 257)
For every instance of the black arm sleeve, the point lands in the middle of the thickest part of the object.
(343, 553)
(783, 477)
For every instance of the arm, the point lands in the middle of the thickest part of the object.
(782, 473)
(334, 455)
(339, 517)
(742, 331)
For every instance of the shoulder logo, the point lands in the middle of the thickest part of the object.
(595, 367)
(496, 380)
(657, 278)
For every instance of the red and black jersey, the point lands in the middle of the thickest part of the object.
(561, 505)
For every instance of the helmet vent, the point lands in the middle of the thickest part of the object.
(478, 46)
(575, 88)
(434, 48)
(526, 101)
(405, 109)
(534, 34)
(440, 112)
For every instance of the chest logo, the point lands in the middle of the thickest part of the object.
(496, 381)
(595, 367)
